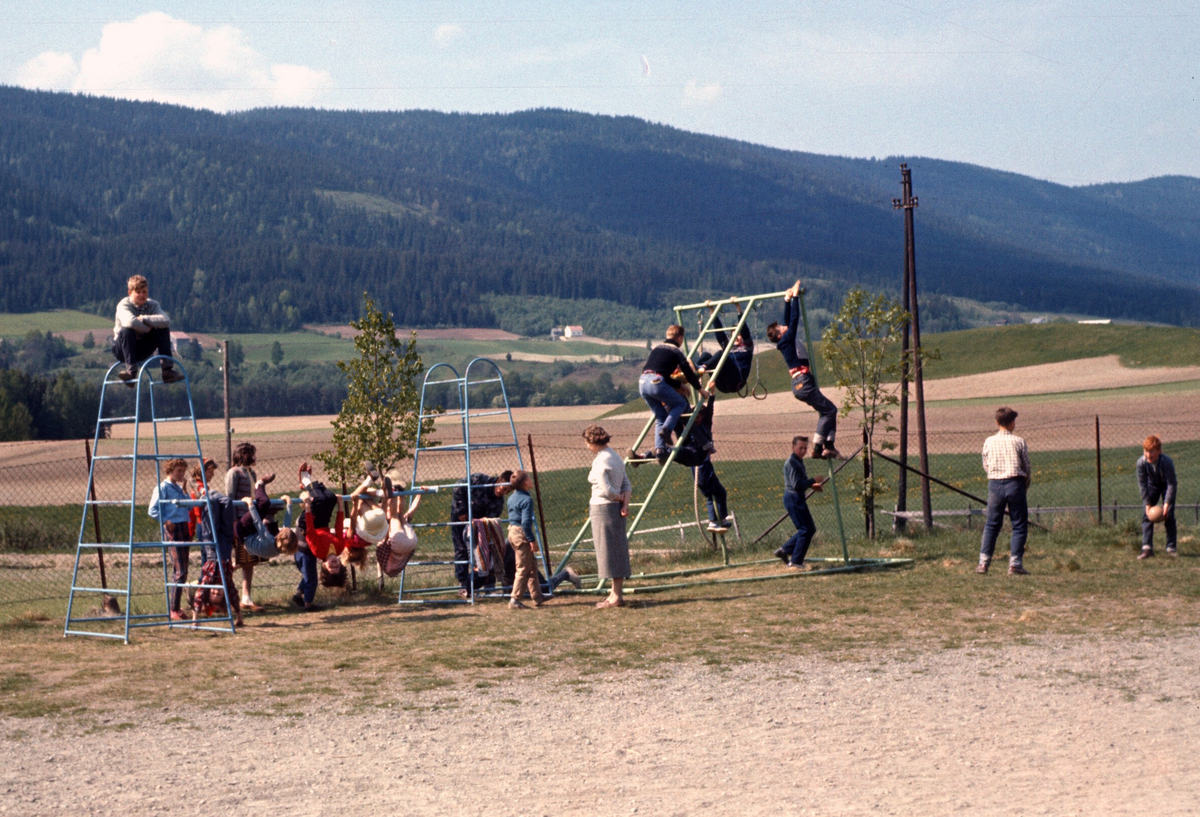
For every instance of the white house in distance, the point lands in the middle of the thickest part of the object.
(570, 332)
(178, 338)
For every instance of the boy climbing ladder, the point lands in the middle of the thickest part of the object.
(787, 340)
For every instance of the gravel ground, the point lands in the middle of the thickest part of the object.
(1060, 726)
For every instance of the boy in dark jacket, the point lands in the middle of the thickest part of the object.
(795, 482)
(730, 378)
(787, 340)
(659, 389)
(1156, 481)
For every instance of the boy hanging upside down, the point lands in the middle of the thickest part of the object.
(787, 340)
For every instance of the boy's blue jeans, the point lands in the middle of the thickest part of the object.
(1006, 494)
(667, 404)
(806, 528)
(306, 563)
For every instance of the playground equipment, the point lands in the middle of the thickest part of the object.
(132, 546)
(462, 387)
(707, 314)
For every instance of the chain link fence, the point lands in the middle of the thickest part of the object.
(42, 485)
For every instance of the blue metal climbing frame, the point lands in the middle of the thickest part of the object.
(119, 626)
(464, 388)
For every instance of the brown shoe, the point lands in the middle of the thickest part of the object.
(1146, 553)
(981, 568)
(1017, 570)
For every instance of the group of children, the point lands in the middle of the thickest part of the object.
(239, 528)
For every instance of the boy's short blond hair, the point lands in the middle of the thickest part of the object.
(136, 282)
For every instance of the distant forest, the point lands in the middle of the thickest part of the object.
(270, 219)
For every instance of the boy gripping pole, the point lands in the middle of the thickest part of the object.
(786, 337)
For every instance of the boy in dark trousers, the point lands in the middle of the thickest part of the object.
(1006, 461)
(795, 482)
(787, 340)
(142, 330)
(659, 389)
(1156, 481)
(730, 378)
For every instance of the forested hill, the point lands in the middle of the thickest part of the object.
(273, 218)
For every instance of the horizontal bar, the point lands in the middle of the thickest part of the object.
(108, 590)
(737, 300)
(130, 419)
(488, 413)
(118, 636)
(148, 456)
(108, 502)
(481, 382)
(463, 447)
(439, 382)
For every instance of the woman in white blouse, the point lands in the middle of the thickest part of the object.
(608, 510)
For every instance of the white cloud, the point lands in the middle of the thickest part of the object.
(701, 94)
(446, 34)
(158, 57)
(49, 71)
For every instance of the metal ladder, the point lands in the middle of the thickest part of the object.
(463, 386)
(143, 392)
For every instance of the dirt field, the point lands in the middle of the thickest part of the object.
(1058, 726)
(347, 331)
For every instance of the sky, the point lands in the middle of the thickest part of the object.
(1077, 92)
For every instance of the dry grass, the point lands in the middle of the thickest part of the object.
(1085, 581)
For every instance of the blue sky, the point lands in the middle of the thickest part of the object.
(1076, 92)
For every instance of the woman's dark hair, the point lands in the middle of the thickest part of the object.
(596, 435)
(244, 454)
(773, 331)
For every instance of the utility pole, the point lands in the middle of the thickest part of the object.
(909, 203)
(900, 523)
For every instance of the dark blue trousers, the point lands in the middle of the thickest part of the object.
(306, 563)
(1006, 494)
(713, 490)
(1168, 524)
(806, 528)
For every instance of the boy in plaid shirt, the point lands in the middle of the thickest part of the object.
(1006, 461)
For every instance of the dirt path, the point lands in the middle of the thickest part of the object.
(1063, 726)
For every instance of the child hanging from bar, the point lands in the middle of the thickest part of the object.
(219, 540)
(257, 529)
(787, 340)
(394, 552)
(316, 542)
(732, 377)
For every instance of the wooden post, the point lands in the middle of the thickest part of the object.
(228, 433)
(1099, 498)
(87, 450)
(868, 501)
(537, 490)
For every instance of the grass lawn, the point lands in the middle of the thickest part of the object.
(1085, 580)
(14, 325)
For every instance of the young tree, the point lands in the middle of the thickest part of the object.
(861, 348)
(378, 420)
(89, 341)
(277, 353)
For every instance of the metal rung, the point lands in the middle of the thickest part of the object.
(115, 619)
(481, 382)
(147, 456)
(465, 446)
(109, 590)
(108, 502)
(440, 382)
(132, 419)
(430, 564)
(486, 414)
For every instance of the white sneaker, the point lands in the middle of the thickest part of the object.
(713, 527)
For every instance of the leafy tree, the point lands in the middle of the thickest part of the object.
(378, 420)
(89, 341)
(861, 350)
(277, 353)
(16, 423)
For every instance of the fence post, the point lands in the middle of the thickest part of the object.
(1114, 510)
(1099, 499)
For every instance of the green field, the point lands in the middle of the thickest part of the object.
(14, 325)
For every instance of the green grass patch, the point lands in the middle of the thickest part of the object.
(18, 324)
